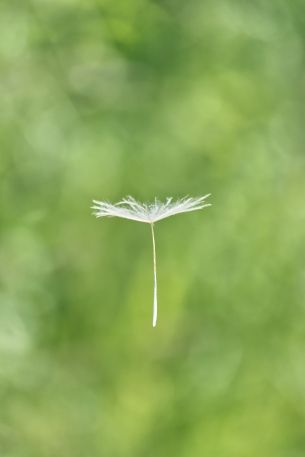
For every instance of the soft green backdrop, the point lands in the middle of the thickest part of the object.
(107, 98)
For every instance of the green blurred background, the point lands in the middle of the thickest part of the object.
(103, 99)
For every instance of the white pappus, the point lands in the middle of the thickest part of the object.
(149, 213)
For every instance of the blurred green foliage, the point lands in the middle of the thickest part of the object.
(102, 99)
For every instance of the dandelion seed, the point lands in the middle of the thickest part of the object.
(150, 213)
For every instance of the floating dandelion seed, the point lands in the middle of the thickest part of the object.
(149, 213)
